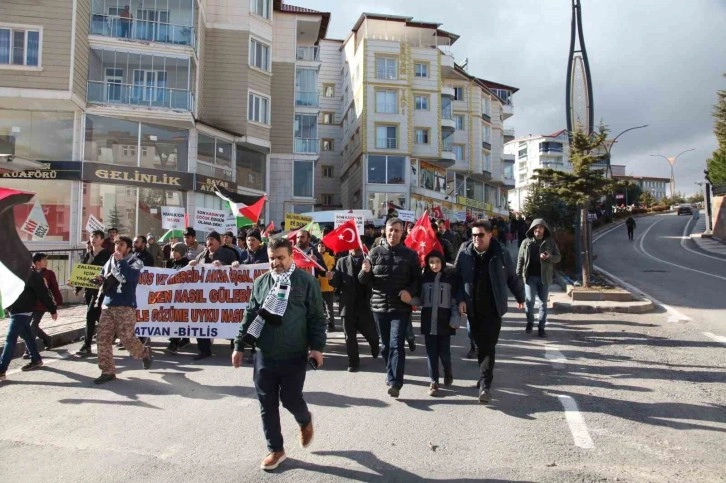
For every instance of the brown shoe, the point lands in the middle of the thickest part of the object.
(306, 433)
(273, 460)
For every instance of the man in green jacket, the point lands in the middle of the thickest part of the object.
(285, 321)
(535, 264)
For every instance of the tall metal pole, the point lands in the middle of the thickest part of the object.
(672, 161)
(612, 143)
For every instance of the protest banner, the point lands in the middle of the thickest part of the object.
(82, 274)
(36, 224)
(230, 223)
(294, 221)
(207, 219)
(343, 216)
(94, 224)
(172, 217)
(204, 301)
(407, 215)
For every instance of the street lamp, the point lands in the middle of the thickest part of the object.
(608, 147)
(672, 161)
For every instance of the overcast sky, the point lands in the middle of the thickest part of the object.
(655, 62)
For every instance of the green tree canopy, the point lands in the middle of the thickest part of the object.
(717, 164)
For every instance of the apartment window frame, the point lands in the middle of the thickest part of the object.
(330, 118)
(298, 162)
(387, 139)
(328, 90)
(261, 8)
(422, 135)
(390, 67)
(421, 102)
(327, 199)
(460, 122)
(458, 93)
(327, 144)
(252, 96)
(421, 69)
(257, 46)
(389, 107)
(459, 151)
(26, 30)
(327, 170)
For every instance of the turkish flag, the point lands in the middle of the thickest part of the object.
(343, 238)
(422, 238)
(438, 214)
(305, 261)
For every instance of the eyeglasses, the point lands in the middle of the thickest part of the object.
(478, 235)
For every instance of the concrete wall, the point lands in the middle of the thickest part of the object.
(718, 208)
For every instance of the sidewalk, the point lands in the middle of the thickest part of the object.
(708, 243)
(70, 327)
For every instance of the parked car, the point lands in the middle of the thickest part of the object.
(685, 209)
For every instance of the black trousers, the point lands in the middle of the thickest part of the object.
(280, 381)
(93, 313)
(363, 323)
(205, 346)
(485, 331)
(35, 329)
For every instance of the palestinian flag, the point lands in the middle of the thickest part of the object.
(245, 208)
(15, 259)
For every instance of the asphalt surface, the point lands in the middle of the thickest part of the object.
(606, 397)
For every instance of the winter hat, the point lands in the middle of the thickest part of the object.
(179, 248)
(255, 234)
(215, 235)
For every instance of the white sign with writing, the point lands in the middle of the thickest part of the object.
(36, 224)
(94, 224)
(230, 223)
(207, 219)
(407, 215)
(172, 217)
(343, 216)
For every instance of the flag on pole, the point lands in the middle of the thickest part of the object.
(343, 238)
(14, 257)
(305, 261)
(246, 209)
(269, 229)
(422, 238)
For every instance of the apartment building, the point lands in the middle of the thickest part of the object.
(418, 131)
(654, 185)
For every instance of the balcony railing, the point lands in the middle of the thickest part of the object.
(486, 174)
(100, 92)
(307, 145)
(486, 145)
(486, 117)
(307, 99)
(311, 53)
(447, 112)
(386, 143)
(151, 31)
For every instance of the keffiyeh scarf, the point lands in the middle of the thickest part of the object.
(274, 306)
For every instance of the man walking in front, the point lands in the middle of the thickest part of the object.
(393, 272)
(485, 271)
(537, 257)
(285, 320)
(630, 225)
(97, 256)
(119, 278)
(40, 264)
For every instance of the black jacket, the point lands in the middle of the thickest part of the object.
(225, 255)
(179, 264)
(99, 260)
(443, 301)
(259, 256)
(392, 269)
(353, 296)
(35, 290)
(146, 258)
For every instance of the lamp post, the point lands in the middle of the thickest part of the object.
(609, 147)
(672, 161)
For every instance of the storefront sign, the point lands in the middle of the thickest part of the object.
(407, 215)
(343, 216)
(172, 217)
(51, 170)
(36, 223)
(207, 219)
(480, 205)
(202, 301)
(106, 173)
(94, 224)
(206, 184)
(82, 274)
(294, 221)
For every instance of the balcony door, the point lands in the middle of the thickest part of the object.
(152, 24)
(150, 86)
(113, 82)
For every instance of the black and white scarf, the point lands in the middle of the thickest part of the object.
(274, 306)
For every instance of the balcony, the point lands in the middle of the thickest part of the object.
(509, 133)
(386, 143)
(486, 145)
(308, 53)
(172, 24)
(508, 158)
(448, 124)
(307, 99)
(487, 175)
(486, 117)
(447, 63)
(306, 145)
(507, 110)
(100, 92)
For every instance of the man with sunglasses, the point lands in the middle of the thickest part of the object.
(485, 271)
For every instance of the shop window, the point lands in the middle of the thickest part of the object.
(386, 169)
(37, 135)
(214, 157)
(303, 179)
(251, 168)
(51, 221)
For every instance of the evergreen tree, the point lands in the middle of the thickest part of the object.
(717, 164)
(114, 220)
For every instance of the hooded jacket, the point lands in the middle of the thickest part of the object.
(547, 244)
(35, 291)
(437, 299)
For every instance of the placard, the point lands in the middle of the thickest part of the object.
(36, 223)
(82, 274)
(207, 219)
(172, 217)
(407, 215)
(94, 224)
(343, 216)
(294, 221)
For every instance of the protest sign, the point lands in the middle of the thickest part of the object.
(343, 216)
(407, 215)
(294, 221)
(204, 301)
(94, 224)
(207, 219)
(172, 217)
(82, 274)
(36, 224)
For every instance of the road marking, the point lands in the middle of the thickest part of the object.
(576, 422)
(673, 314)
(600, 235)
(553, 354)
(646, 253)
(46, 362)
(683, 244)
(717, 338)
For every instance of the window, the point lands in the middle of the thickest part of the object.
(40, 135)
(259, 55)
(260, 7)
(328, 171)
(459, 152)
(486, 108)
(421, 102)
(306, 133)
(258, 109)
(215, 157)
(387, 102)
(422, 136)
(458, 93)
(328, 90)
(386, 137)
(327, 118)
(522, 153)
(302, 179)
(459, 122)
(19, 46)
(386, 68)
(327, 199)
(386, 169)
(421, 69)
(327, 145)
(306, 88)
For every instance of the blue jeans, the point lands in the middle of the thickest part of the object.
(438, 347)
(19, 326)
(535, 288)
(392, 328)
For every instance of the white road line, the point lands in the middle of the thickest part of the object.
(553, 354)
(686, 237)
(600, 235)
(646, 253)
(576, 422)
(673, 314)
(46, 362)
(717, 338)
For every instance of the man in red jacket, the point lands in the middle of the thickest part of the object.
(40, 264)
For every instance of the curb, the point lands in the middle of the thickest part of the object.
(643, 307)
(59, 339)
